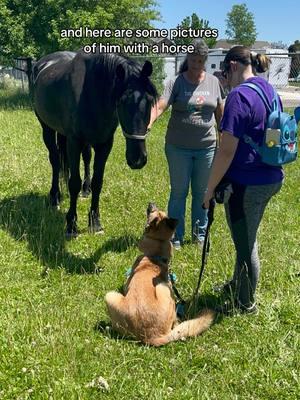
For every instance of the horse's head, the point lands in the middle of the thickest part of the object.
(134, 108)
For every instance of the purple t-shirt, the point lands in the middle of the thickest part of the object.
(245, 113)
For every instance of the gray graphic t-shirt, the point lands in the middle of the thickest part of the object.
(192, 121)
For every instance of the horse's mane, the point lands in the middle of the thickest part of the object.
(107, 63)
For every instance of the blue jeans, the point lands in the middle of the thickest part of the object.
(188, 167)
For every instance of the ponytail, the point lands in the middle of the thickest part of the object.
(259, 62)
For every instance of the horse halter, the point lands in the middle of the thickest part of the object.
(133, 135)
(136, 136)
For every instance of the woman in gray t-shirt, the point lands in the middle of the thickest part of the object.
(196, 100)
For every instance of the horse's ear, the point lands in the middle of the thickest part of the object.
(120, 72)
(147, 69)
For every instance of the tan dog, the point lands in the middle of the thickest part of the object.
(147, 310)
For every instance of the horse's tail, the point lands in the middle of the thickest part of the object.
(63, 157)
(190, 328)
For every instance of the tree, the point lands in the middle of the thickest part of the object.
(279, 45)
(33, 27)
(194, 22)
(11, 33)
(294, 49)
(241, 26)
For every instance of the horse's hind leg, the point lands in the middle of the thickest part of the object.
(86, 156)
(101, 154)
(74, 148)
(49, 137)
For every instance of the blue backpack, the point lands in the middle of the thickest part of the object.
(280, 142)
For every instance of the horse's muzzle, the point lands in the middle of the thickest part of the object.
(138, 163)
(136, 154)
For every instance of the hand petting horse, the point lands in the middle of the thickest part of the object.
(82, 97)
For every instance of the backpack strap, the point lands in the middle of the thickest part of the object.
(263, 96)
(297, 114)
(254, 145)
(270, 108)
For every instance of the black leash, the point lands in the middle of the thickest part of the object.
(205, 250)
(206, 244)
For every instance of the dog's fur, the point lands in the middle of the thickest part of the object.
(147, 310)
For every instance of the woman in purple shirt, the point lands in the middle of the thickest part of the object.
(253, 183)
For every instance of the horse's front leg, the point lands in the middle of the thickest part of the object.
(86, 156)
(101, 154)
(74, 148)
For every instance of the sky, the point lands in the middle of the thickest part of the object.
(275, 20)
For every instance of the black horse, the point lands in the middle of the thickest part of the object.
(83, 97)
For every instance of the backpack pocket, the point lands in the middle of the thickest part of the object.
(277, 155)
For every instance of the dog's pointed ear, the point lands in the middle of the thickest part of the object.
(172, 223)
(153, 222)
(151, 208)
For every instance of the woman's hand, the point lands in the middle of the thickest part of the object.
(220, 164)
(156, 111)
(207, 197)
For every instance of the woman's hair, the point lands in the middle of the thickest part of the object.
(259, 62)
(200, 49)
(183, 66)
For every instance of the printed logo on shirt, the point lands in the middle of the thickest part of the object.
(192, 107)
(195, 120)
(197, 93)
(200, 100)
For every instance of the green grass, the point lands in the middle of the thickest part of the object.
(51, 291)
(294, 84)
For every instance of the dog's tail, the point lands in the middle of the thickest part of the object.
(190, 328)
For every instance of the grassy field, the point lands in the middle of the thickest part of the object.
(51, 291)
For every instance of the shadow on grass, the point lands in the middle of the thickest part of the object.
(14, 99)
(30, 218)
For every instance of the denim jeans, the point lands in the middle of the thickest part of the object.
(188, 167)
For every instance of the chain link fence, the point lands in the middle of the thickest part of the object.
(15, 77)
(284, 72)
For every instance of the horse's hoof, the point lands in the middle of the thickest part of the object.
(94, 224)
(85, 193)
(55, 201)
(72, 231)
(86, 189)
(71, 235)
(96, 229)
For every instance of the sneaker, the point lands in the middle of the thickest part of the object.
(232, 308)
(176, 244)
(199, 242)
(228, 288)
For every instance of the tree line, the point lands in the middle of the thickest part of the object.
(33, 28)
